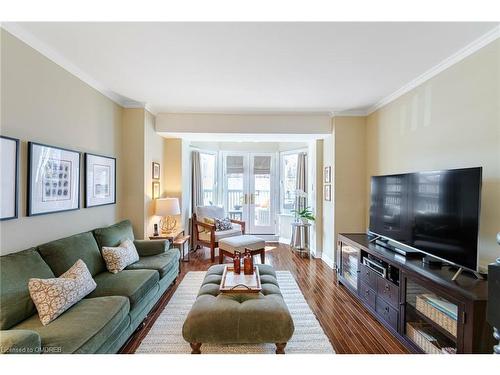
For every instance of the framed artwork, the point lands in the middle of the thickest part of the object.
(156, 189)
(328, 175)
(156, 171)
(328, 192)
(100, 180)
(53, 179)
(9, 149)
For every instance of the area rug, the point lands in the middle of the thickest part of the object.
(165, 337)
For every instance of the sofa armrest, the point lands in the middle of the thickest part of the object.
(20, 341)
(147, 248)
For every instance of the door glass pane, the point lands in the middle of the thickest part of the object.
(262, 196)
(234, 183)
(289, 171)
(208, 176)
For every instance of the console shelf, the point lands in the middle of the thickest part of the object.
(419, 304)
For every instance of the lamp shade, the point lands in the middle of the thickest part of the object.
(167, 207)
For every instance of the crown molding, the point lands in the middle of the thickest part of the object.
(468, 50)
(32, 41)
(351, 113)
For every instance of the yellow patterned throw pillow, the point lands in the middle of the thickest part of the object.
(117, 258)
(52, 297)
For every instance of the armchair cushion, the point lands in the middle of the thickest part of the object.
(236, 231)
(20, 341)
(147, 248)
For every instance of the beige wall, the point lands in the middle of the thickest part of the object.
(154, 150)
(42, 102)
(173, 172)
(133, 161)
(451, 121)
(350, 175)
(328, 223)
(177, 123)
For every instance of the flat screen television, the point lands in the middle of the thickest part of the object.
(434, 212)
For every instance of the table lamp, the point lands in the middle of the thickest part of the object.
(167, 208)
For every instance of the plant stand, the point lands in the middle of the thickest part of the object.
(300, 239)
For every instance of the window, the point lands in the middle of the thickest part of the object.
(288, 171)
(208, 176)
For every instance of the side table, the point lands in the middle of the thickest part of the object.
(179, 239)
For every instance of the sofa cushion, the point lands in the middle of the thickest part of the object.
(84, 327)
(61, 254)
(16, 270)
(162, 263)
(20, 341)
(134, 284)
(114, 234)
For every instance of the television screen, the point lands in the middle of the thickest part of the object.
(435, 212)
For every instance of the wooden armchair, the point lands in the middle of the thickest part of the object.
(204, 234)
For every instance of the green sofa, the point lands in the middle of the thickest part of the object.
(104, 320)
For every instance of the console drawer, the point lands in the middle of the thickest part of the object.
(388, 291)
(368, 295)
(368, 276)
(387, 313)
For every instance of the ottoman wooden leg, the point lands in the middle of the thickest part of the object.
(263, 256)
(280, 348)
(196, 347)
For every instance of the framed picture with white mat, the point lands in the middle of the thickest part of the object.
(100, 180)
(53, 179)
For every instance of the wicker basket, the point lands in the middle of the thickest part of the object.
(444, 321)
(413, 332)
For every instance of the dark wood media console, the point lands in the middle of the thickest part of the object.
(419, 304)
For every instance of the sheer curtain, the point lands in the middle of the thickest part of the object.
(197, 186)
(301, 184)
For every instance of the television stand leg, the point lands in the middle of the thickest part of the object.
(460, 270)
(455, 276)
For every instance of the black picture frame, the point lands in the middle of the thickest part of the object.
(16, 180)
(86, 196)
(29, 206)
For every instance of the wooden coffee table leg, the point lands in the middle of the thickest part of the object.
(280, 348)
(196, 347)
(263, 256)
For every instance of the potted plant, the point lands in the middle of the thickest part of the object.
(305, 215)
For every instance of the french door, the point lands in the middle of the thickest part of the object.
(249, 189)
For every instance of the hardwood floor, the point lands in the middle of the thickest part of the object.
(348, 325)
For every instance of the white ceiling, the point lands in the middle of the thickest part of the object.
(249, 67)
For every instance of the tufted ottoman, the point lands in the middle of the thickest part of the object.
(246, 318)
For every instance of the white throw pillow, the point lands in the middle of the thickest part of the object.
(117, 258)
(52, 297)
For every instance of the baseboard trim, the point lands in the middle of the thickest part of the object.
(330, 263)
